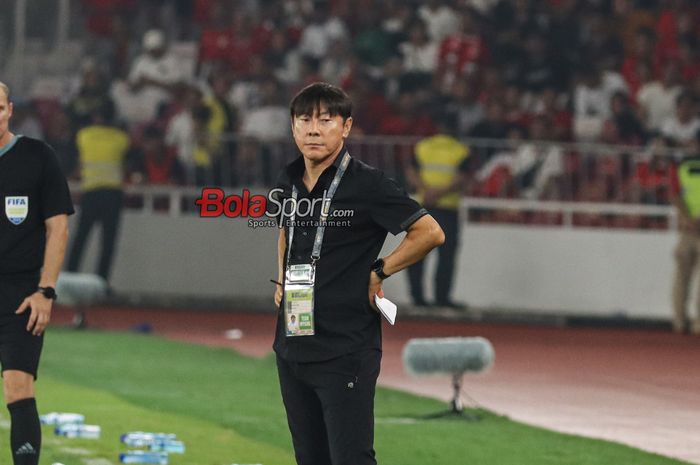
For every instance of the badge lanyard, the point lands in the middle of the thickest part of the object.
(321, 229)
(300, 279)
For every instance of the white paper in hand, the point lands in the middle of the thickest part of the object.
(387, 307)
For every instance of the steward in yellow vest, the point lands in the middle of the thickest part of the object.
(438, 175)
(687, 252)
(102, 147)
(102, 150)
(687, 203)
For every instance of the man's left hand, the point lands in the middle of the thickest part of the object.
(375, 287)
(40, 315)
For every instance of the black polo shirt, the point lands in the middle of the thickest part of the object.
(344, 320)
(33, 188)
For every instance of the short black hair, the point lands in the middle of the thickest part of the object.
(310, 98)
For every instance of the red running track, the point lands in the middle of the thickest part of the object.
(636, 387)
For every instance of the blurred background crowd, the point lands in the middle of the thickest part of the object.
(584, 100)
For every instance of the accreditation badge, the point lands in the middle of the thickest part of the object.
(16, 209)
(299, 300)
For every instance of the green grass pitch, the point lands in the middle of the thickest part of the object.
(227, 409)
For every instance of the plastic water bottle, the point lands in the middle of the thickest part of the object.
(79, 431)
(139, 456)
(171, 447)
(57, 418)
(141, 438)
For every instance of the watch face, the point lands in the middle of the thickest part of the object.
(48, 292)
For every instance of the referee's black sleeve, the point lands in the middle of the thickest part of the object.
(392, 208)
(55, 195)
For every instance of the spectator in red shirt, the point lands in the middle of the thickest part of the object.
(370, 108)
(407, 119)
(201, 10)
(99, 14)
(549, 104)
(462, 53)
(676, 23)
(642, 76)
(243, 45)
(655, 179)
(215, 40)
(153, 162)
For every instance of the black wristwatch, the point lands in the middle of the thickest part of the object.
(48, 292)
(378, 267)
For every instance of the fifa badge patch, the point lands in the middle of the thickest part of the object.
(16, 208)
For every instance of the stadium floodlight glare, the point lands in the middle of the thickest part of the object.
(453, 356)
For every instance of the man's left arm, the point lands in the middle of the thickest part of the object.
(421, 237)
(40, 306)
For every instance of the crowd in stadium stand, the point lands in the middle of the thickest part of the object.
(182, 73)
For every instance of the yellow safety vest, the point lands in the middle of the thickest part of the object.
(102, 151)
(217, 122)
(201, 156)
(439, 158)
(689, 180)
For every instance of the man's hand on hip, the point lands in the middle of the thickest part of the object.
(40, 308)
(375, 287)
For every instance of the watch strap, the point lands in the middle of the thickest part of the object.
(48, 292)
(378, 267)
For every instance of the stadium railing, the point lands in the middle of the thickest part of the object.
(513, 182)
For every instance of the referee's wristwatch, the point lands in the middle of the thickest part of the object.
(48, 292)
(378, 267)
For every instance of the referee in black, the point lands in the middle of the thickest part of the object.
(33, 236)
(328, 361)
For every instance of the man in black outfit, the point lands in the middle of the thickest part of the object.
(328, 361)
(33, 236)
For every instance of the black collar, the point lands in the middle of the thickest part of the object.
(295, 170)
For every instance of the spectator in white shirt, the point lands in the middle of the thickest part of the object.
(685, 124)
(181, 134)
(262, 130)
(420, 54)
(152, 77)
(657, 99)
(338, 63)
(440, 19)
(270, 121)
(592, 101)
(322, 30)
(482, 6)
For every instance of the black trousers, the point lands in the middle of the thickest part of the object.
(102, 206)
(330, 408)
(449, 221)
